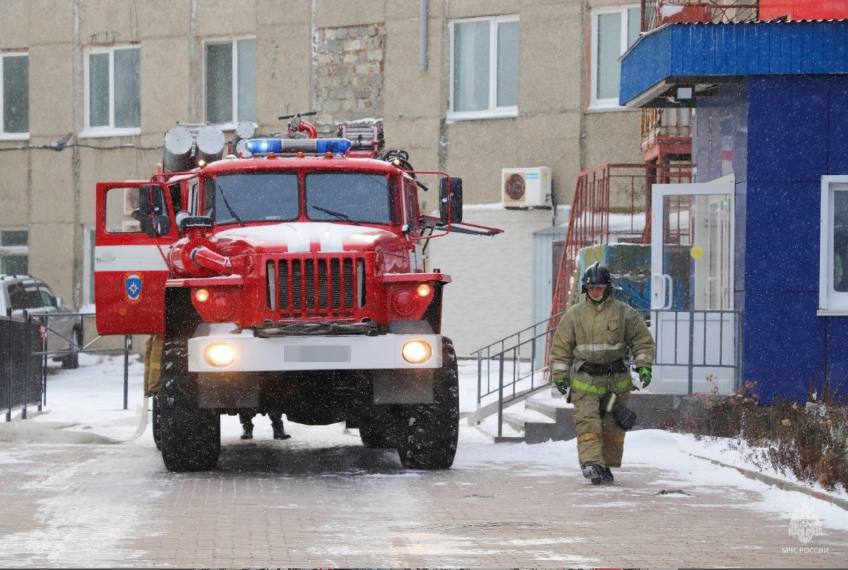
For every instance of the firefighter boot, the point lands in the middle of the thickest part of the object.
(246, 425)
(593, 472)
(279, 430)
(607, 476)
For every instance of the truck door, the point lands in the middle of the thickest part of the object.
(134, 231)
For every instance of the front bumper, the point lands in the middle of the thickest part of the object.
(289, 353)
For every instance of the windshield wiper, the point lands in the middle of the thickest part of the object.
(227, 204)
(335, 214)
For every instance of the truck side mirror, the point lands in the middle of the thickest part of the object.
(450, 200)
(153, 211)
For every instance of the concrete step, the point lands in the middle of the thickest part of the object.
(514, 420)
(652, 411)
(550, 408)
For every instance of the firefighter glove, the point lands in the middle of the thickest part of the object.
(644, 376)
(562, 382)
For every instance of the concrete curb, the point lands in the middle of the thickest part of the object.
(781, 484)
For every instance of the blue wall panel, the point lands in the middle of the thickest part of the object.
(798, 132)
(784, 352)
(838, 126)
(782, 234)
(837, 341)
(787, 127)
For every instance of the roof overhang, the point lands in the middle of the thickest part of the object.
(703, 55)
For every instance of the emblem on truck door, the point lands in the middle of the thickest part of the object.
(132, 286)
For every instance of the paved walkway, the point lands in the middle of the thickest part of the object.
(292, 504)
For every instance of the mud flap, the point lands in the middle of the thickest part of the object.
(402, 386)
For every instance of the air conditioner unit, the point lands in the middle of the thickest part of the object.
(526, 187)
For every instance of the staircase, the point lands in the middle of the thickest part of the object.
(546, 417)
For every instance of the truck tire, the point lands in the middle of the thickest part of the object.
(189, 436)
(156, 420)
(429, 433)
(378, 431)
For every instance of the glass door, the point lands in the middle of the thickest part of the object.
(692, 317)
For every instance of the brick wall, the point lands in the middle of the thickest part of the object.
(348, 72)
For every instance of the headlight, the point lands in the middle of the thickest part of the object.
(220, 354)
(416, 351)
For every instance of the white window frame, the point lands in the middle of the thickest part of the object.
(111, 130)
(15, 249)
(831, 302)
(493, 112)
(233, 41)
(4, 136)
(88, 237)
(610, 103)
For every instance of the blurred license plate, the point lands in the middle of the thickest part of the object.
(317, 354)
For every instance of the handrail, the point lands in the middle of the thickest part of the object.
(515, 334)
(519, 386)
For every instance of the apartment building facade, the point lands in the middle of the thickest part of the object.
(466, 86)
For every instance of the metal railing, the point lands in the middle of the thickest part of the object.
(523, 353)
(705, 339)
(22, 378)
(31, 361)
(611, 203)
(656, 13)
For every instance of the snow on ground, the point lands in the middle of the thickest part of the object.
(86, 406)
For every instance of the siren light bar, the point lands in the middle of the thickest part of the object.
(260, 147)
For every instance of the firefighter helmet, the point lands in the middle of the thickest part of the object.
(596, 275)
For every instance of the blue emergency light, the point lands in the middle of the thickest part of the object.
(312, 146)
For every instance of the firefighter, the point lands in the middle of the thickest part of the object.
(246, 419)
(587, 358)
(152, 364)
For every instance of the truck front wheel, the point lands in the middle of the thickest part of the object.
(429, 433)
(378, 430)
(189, 436)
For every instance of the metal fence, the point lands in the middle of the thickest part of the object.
(22, 375)
(708, 341)
(29, 341)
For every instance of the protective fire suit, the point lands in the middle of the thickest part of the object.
(589, 345)
(153, 364)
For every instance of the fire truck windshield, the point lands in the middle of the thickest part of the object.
(348, 196)
(255, 197)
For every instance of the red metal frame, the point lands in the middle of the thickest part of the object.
(656, 13)
(666, 134)
(622, 189)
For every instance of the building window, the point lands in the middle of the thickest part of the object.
(613, 31)
(14, 96)
(484, 68)
(112, 100)
(833, 253)
(14, 252)
(231, 81)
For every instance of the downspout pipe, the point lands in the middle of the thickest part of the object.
(424, 29)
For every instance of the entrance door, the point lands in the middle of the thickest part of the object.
(692, 316)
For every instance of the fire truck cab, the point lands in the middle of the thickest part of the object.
(287, 276)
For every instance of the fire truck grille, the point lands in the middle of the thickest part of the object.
(321, 286)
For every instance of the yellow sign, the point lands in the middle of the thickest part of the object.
(697, 252)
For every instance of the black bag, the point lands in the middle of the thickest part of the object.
(623, 416)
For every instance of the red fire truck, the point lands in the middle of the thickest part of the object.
(286, 275)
